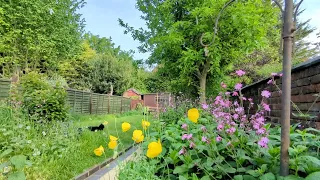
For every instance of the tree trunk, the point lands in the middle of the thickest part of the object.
(203, 80)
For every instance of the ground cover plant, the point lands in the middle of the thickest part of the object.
(220, 140)
(56, 150)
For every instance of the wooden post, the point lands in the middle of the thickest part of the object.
(121, 105)
(109, 104)
(74, 100)
(90, 105)
(102, 102)
(82, 101)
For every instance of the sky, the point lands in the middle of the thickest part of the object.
(101, 18)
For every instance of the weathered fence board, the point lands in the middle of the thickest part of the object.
(83, 102)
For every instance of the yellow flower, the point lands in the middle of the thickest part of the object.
(112, 138)
(145, 124)
(99, 151)
(125, 127)
(112, 144)
(193, 115)
(105, 123)
(137, 136)
(154, 149)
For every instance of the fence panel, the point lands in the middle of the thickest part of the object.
(83, 102)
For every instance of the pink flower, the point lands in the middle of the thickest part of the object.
(266, 107)
(244, 98)
(231, 130)
(205, 106)
(182, 151)
(281, 74)
(261, 131)
(192, 145)
(229, 143)
(240, 72)
(239, 109)
(223, 85)
(227, 93)
(184, 126)
(274, 74)
(205, 139)
(185, 136)
(220, 127)
(235, 93)
(250, 100)
(264, 142)
(189, 136)
(235, 116)
(203, 128)
(238, 86)
(265, 93)
(270, 81)
(218, 138)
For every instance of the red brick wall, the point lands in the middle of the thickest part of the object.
(305, 84)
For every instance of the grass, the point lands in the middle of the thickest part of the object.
(61, 152)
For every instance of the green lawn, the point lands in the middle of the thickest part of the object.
(84, 157)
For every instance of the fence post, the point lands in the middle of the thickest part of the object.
(108, 104)
(102, 102)
(121, 105)
(90, 105)
(82, 101)
(74, 100)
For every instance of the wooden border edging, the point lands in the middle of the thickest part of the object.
(96, 168)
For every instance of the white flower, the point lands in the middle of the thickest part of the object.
(28, 127)
(20, 126)
(51, 12)
(44, 133)
(29, 141)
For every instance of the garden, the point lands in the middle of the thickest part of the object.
(204, 53)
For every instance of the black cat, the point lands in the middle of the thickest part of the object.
(93, 128)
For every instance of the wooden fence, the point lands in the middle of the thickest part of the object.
(84, 102)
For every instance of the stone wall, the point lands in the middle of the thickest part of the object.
(305, 86)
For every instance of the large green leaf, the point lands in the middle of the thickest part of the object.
(309, 163)
(18, 161)
(313, 176)
(6, 152)
(17, 176)
(268, 176)
(180, 169)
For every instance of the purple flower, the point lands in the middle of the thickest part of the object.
(239, 109)
(240, 72)
(184, 126)
(235, 93)
(281, 74)
(218, 138)
(182, 151)
(192, 145)
(231, 130)
(227, 93)
(263, 142)
(266, 107)
(205, 106)
(238, 86)
(270, 81)
(265, 93)
(205, 139)
(244, 98)
(203, 128)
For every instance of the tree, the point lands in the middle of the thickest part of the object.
(174, 29)
(38, 34)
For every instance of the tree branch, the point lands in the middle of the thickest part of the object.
(216, 25)
(279, 5)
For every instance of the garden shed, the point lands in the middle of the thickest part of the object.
(157, 100)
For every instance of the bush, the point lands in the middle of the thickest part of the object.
(42, 101)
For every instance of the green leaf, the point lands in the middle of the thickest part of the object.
(182, 178)
(18, 161)
(248, 177)
(253, 173)
(17, 176)
(268, 176)
(313, 176)
(290, 177)
(6, 152)
(180, 169)
(238, 177)
(205, 177)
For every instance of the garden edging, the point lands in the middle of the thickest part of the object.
(96, 168)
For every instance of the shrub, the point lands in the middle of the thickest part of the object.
(42, 101)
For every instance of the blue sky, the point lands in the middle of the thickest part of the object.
(102, 19)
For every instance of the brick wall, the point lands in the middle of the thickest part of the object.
(305, 85)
